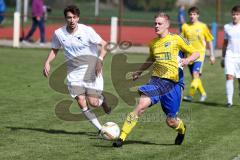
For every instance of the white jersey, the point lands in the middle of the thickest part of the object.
(83, 42)
(78, 47)
(232, 34)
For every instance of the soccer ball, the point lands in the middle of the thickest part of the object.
(110, 131)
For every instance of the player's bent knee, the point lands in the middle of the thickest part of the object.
(94, 102)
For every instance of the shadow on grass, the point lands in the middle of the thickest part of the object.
(209, 104)
(128, 142)
(52, 131)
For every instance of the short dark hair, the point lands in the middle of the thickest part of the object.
(193, 9)
(236, 8)
(73, 9)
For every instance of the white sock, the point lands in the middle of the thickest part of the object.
(91, 117)
(229, 90)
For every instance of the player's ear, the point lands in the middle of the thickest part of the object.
(168, 23)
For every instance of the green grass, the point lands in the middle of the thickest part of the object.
(30, 129)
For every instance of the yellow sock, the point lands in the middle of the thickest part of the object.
(194, 86)
(200, 88)
(180, 128)
(128, 125)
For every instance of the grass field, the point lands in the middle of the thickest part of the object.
(30, 129)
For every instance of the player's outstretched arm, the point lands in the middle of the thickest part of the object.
(50, 58)
(191, 58)
(142, 68)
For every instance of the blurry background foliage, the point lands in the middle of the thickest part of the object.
(140, 10)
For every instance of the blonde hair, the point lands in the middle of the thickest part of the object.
(162, 14)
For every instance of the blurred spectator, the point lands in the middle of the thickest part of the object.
(37, 21)
(46, 9)
(2, 10)
(181, 17)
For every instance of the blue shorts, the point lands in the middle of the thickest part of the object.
(167, 92)
(195, 67)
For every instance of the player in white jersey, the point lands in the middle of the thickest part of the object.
(231, 53)
(84, 64)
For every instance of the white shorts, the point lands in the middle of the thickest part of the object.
(78, 84)
(232, 66)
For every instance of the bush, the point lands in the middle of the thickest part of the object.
(149, 5)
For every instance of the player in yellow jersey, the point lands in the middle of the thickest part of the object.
(166, 83)
(198, 34)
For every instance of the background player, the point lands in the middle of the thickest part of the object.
(198, 34)
(80, 44)
(231, 53)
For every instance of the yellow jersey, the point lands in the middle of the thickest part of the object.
(166, 53)
(197, 34)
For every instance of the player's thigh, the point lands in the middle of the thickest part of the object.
(96, 85)
(155, 88)
(171, 101)
(229, 64)
(237, 68)
(94, 91)
(76, 90)
(196, 67)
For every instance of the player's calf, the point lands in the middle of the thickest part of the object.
(178, 125)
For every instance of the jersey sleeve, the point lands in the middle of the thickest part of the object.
(225, 32)
(185, 46)
(93, 36)
(150, 50)
(207, 34)
(55, 41)
(183, 33)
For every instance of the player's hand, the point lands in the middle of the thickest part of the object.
(98, 68)
(222, 63)
(184, 62)
(212, 60)
(46, 69)
(136, 75)
(38, 18)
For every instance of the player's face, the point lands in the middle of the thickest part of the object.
(72, 20)
(161, 25)
(236, 17)
(193, 16)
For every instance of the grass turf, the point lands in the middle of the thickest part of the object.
(30, 129)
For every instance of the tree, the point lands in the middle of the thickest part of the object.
(149, 5)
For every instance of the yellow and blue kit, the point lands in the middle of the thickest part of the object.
(197, 34)
(167, 78)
